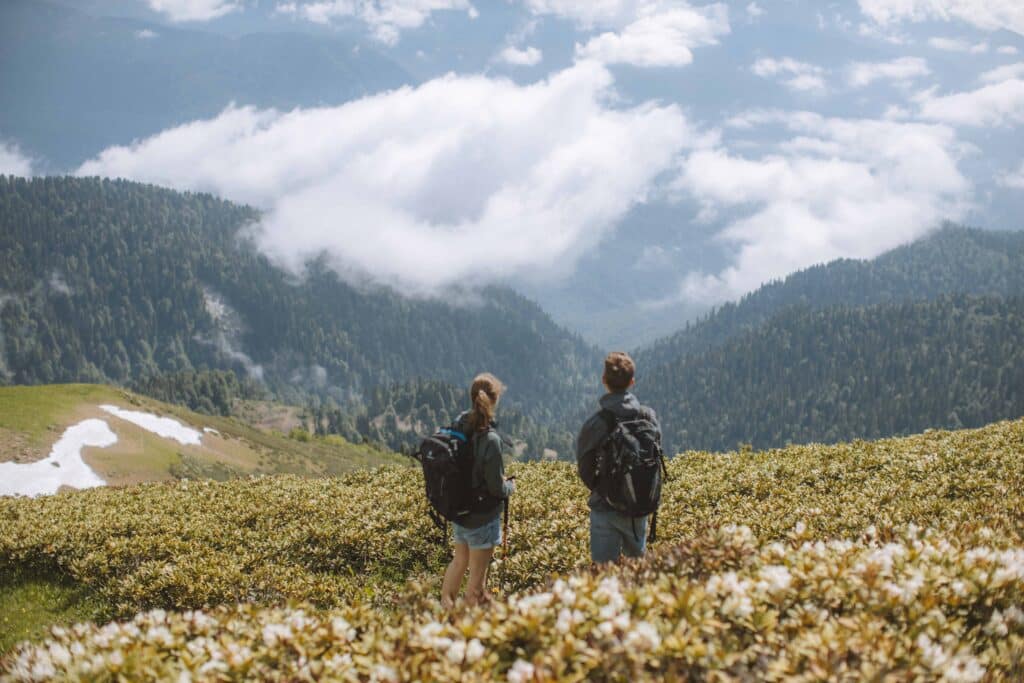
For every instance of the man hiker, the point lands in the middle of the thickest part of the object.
(618, 493)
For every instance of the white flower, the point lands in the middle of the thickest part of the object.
(342, 630)
(644, 637)
(521, 672)
(774, 579)
(275, 633)
(384, 674)
(474, 651)
(996, 626)
(457, 651)
(932, 654)
(60, 655)
(964, 669)
(1014, 613)
(532, 602)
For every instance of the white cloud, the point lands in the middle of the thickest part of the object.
(834, 188)
(957, 45)
(1014, 179)
(462, 180)
(663, 34)
(997, 104)
(13, 162)
(1003, 73)
(146, 34)
(386, 18)
(529, 56)
(902, 70)
(1007, 50)
(797, 76)
(754, 11)
(989, 15)
(194, 10)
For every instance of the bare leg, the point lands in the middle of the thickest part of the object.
(479, 562)
(453, 575)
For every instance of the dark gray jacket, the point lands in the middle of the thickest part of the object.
(624, 406)
(488, 472)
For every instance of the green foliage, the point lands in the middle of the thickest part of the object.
(840, 373)
(31, 605)
(112, 281)
(211, 392)
(894, 558)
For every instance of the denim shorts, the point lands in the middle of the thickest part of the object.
(481, 538)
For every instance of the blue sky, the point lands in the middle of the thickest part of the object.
(637, 158)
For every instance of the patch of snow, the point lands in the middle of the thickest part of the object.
(211, 430)
(161, 426)
(63, 467)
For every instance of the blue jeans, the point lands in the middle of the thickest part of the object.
(481, 538)
(612, 535)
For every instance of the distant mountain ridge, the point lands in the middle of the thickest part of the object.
(953, 260)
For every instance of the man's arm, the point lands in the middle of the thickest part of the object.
(587, 444)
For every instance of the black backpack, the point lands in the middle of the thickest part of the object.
(631, 466)
(447, 460)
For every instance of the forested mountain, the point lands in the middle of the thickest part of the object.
(953, 260)
(108, 81)
(847, 372)
(400, 414)
(113, 281)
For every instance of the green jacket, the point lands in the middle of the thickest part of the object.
(488, 473)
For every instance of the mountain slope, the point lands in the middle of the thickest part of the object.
(953, 260)
(111, 281)
(847, 372)
(34, 419)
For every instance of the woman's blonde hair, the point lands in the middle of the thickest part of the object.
(484, 392)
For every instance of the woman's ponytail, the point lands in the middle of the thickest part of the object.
(485, 392)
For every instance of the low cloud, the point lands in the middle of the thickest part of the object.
(194, 10)
(59, 284)
(834, 188)
(646, 33)
(1007, 50)
(13, 162)
(795, 75)
(660, 36)
(460, 181)
(1014, 179)
(146, 34)
(515, 56)
(998, 103)
(385, 18)
(902, 71)
(957, 45)
(989, 15)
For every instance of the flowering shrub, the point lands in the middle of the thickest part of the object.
(919, 604)
(897, 558)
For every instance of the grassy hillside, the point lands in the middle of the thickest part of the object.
(33, 418)
(902, 557)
